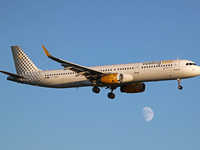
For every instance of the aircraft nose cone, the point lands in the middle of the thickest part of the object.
(199, 70)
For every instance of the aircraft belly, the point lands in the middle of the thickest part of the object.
(68, 82)
(73, 84)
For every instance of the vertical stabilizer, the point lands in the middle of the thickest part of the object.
(23, 64)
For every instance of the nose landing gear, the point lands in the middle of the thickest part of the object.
(179, 84)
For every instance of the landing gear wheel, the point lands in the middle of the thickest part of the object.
(179, 84)
(180, 87)
(111, 95)
(96, 89)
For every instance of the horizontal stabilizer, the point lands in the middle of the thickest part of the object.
(13, 75)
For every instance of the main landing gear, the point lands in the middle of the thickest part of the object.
(96, 89)
(111, 95)
(179, 84)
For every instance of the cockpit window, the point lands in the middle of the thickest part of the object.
(189, 64)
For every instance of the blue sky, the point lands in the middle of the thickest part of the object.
(94, 33)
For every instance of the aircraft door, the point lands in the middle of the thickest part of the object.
(136, 69)
(177, 65)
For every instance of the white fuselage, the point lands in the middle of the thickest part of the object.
(141, 72)
(129, 77)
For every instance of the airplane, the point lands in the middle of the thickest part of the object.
(129, 78)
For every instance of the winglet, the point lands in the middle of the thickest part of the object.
(46, 52)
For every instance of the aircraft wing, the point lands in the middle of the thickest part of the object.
(80, 70)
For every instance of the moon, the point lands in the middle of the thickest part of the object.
(147, 113)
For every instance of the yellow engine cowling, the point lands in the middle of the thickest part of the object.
(112, 78)
(133, 88)
(116, 78)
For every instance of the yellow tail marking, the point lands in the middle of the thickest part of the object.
(46, 52)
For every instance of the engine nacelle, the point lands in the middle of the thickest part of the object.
(127, 78)
(116, 78)
(133, 88)
(112, 78)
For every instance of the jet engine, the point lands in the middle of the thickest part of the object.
(116, 78)
(133, 88)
